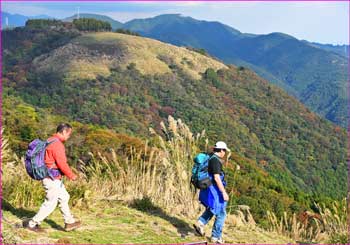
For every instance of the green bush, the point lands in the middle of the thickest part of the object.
(90, 24)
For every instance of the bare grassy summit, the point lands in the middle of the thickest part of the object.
(95, 54)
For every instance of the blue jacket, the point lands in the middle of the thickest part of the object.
(212, 198)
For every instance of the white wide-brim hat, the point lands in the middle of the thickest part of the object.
(221, 145)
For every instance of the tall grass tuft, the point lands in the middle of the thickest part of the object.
(160, 174)
(329, 225)
(334, 221)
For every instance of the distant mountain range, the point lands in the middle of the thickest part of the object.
(15, 20)
(310, 72)
(314, 73)
(339, 49)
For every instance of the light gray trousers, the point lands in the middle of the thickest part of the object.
(55, 193)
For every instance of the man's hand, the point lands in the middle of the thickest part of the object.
(75, 174)
(225, 195)
(74, 178)
(221, 186)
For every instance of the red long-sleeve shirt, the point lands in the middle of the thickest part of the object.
(55, 157)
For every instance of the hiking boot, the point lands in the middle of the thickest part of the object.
(72, 226)
(217, 240)
(25, 223)
(199, 227)
(35, 228)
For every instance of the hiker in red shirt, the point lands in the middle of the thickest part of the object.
(56, 162)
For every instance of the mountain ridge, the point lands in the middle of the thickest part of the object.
(312, 82)
(294, 65)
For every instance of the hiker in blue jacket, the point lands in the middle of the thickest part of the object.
(215, 197)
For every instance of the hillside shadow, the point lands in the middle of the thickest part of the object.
(25, 214)
(146, 205)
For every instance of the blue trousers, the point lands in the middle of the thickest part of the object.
(219, 221)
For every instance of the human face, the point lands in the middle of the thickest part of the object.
(222, 153)
(67, 133)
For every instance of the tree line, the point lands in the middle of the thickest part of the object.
(83, 24)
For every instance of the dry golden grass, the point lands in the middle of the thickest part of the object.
(6, 153)
(80, 69)
(73, 62)
(159, 174)
(94, 54)
(328, 226)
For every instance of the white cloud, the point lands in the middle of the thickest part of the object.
(172, 3)
(23, 9)
(33, 10)
(188, 3)
(126, 16)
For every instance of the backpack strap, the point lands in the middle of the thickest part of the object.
(49, 143)
(214, 155)
(52, 141)
(222, 174)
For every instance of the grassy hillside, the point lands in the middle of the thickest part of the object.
(289, 157)
(111, 222)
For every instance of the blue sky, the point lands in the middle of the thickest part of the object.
(323, 22)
